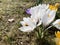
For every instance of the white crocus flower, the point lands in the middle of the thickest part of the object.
(39, 12)
(50, 15)
(28, 25)
(57, 23)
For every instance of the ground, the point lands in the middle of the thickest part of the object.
(9, 32)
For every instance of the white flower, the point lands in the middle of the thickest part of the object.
(38, 12)
(41, 13)
(48, 17)
(28, 25)
(57, 23)
(50, 14)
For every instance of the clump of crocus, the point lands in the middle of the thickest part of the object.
(43, 14)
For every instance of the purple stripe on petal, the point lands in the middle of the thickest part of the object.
(28, 11)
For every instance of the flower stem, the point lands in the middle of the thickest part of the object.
(46, 30)
(48, 27)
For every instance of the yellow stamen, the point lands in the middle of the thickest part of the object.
(52, 7)
(48, 15)
(26, 24)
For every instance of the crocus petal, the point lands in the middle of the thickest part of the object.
(57, 23)
(34, 10)
(26, 29)
(30, 22)
(22, 23)
(44, 6)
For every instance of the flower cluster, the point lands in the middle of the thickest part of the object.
(42, 14)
